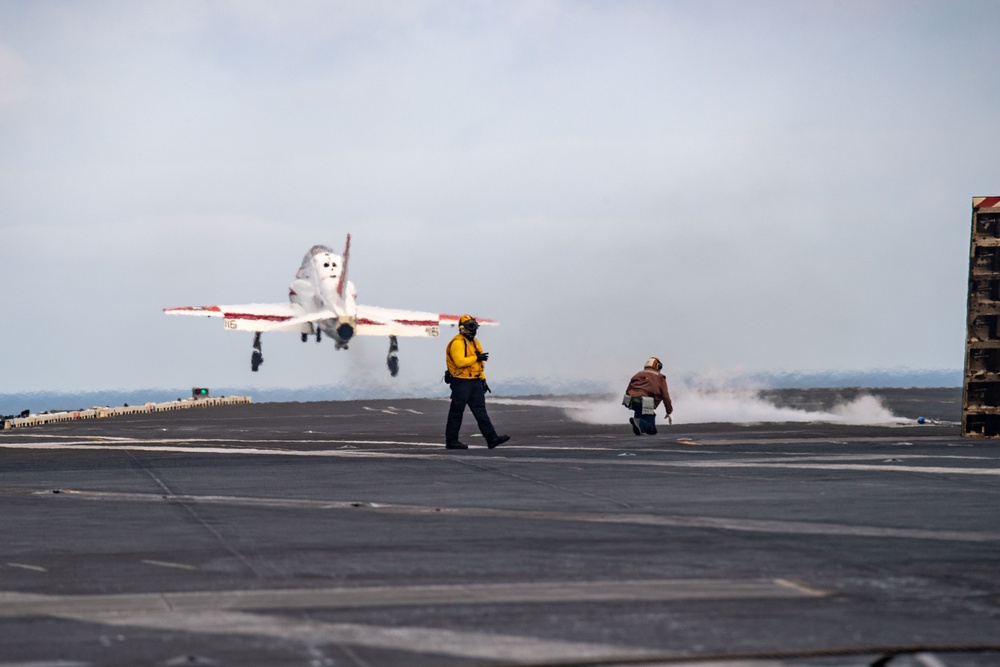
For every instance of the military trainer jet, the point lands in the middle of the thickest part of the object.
(321, 300)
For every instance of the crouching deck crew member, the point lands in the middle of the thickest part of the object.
(646, 390)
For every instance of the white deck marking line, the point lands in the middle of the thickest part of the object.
(751, 439)
(180, 443)
(799, 586)
(494, 456)
(20, 433)
(47, 663)
(433, 641)
(929, 660)
(666, 446)
(254, 451)
(796, 458)
(220, 612)
(185, 445)
(23, 566)
(110, 442)
(98, 441)
(840, 466)
(388, 411)
(664, 520)
(546, 592)
(163, 563)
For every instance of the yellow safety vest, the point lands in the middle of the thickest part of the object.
(461, 358)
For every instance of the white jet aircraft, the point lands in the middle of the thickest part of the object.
(321, 300)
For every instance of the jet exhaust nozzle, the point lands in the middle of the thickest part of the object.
(345, 331)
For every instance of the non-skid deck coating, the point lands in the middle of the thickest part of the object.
(343, 533)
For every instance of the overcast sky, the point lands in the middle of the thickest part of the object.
(732, 186)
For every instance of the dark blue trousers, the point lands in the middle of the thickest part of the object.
(647, 423)
(473, 394)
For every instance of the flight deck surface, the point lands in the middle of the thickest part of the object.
(343, 533)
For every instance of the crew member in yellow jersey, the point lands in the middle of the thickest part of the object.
(466, 367)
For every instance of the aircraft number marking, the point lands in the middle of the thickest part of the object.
(432, 331)
(229, 323)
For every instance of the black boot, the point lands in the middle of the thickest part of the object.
(499, 440)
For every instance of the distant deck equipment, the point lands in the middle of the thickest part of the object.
(981, 387)
(100, 413)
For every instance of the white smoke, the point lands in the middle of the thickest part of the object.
(699, 405)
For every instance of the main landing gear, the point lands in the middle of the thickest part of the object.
(392, 361)
(319, 334)
(257, 358)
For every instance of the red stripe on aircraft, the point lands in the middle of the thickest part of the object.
(417, 323)
(405, 323)
(196, 309)
(250, 316)
(453, 319)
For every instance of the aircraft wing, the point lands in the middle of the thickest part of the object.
(375, 321)
(257, 316)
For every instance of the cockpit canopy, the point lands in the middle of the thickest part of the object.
(325, 262)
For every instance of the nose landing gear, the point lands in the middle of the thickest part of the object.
(392, 361)
(257, 357)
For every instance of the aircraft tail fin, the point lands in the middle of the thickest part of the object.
(342, 283)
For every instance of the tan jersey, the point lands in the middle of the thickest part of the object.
(649, 382)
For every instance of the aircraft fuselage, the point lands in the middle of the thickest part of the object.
(320, 285)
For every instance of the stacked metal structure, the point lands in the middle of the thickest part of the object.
(981, 390)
